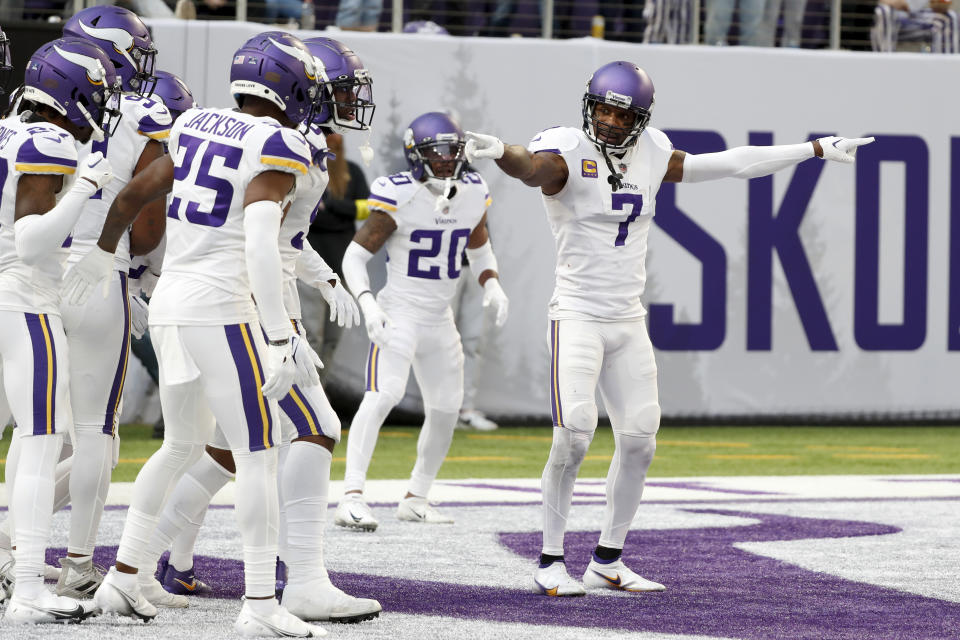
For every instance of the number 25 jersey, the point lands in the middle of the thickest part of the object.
(216, 154)
(601, 234)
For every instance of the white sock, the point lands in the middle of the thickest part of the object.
(258, 516)
(154, 483)
(305, 482)
(32, 502)
(283, 450)
(625, 480)
(559, 475)
(364, 429)
(432, 446)
(89, 483)
(185, 511)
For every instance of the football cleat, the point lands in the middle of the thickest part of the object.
(473, 419)
(321, 601)
(181, 583)
(112, 598)
(553, 580)
(280, 578)
(7, 580)
(279, 623)
(615, 575)
(47, 608)
(353, 513)
(415, 509)
(79, 579)
(156, 595)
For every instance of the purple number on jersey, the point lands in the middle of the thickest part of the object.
(101, 146)
(435, 236)
(470, 177)
(455, 259)
(399, 178)
(3, 177)
(223, 188)
(636, 203)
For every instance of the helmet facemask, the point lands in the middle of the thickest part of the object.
(609, 136)
(143, 81)
(349, 102)
(442, 158)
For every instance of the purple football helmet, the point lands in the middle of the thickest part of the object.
(277, 67)
(75, 78)
(346, 87)
(618, 84)
(433, 145)
(174, 93)
(123, 37)
(6, 67)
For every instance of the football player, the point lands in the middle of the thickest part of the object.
(229, 174)
(98, 332)
(68, 97)
(310, 427)
(599, 186)
(425, 217)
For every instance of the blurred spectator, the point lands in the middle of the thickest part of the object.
(425, 26)
(720, 14)
(931, 22)
(282, 10)
(792, 22)
(668, 21)
(344, 202)
(359, 15)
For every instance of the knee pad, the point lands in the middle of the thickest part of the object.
(636, 450)
(569, 448)
(382, 402)
(581, 417)
(642, 421)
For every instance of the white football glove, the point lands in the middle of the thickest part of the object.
(96, 169)
(841, 149)
(377, 322)
(343, 308)
(480, 145)
(95, 267)
(148, 282)
(280, 370)
(493, 296)
(307, 362)
(139, 315)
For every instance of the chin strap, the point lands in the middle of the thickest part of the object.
(366, 151)
(615, 177)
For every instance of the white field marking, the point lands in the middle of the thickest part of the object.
(705, 489)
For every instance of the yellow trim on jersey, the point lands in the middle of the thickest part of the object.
(306, 413)
(284, 162)
(383, 206)
(264, 416)
(44, 168)
(157, 135)
(51, 365)
(488, 202)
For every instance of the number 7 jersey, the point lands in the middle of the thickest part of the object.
(216, 154)
(601, 234)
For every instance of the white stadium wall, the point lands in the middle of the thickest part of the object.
(821, 291)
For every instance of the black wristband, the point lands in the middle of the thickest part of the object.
(278, 343)
(363, 292)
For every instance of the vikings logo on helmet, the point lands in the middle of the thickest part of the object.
(123, 37)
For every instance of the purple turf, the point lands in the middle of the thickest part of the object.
(712, 588)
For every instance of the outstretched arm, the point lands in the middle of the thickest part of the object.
(753, 162)
(545, 170)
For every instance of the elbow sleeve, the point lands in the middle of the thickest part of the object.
(744, 162)
(261, 225)
(36, 236)
(355, 260)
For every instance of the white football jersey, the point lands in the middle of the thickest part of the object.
(31, 148)
(425, 253)
(216, 154)
(601, 234)
(296, 226)
(142, 120)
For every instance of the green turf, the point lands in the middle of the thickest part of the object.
(681, 451)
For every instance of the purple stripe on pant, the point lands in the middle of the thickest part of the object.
(44, 364)
(556, 410)
(256, 410)
(301, 418)
(116, 390)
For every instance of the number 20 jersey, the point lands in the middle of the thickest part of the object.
(216, 154)
(425, 252)
(601, 234)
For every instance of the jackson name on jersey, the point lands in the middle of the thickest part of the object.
(216, 154)
(601, 234)
(424, 254)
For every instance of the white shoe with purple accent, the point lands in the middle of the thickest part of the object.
(553, 580)
(615, 575)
